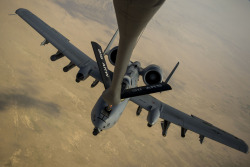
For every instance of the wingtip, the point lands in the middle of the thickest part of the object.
(244, 148)
(20, 10)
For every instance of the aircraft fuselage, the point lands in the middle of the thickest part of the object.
(103, 119)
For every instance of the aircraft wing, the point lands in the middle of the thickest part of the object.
(195, 124)
(60, 42)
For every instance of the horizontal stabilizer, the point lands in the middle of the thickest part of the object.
(143, 90)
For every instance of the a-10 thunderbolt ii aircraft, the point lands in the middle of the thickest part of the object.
(104, 115)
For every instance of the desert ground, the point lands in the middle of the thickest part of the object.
(45, 114)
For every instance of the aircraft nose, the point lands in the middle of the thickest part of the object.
(99, 123)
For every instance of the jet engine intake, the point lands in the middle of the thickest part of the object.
(153, 116)
(112, 55)
(83, 73)
(152, 75)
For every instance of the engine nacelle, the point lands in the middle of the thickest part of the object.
(152, 74)
(112, 55)
(83, 73)
(153, 116)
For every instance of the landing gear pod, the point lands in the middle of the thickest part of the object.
(153, 116)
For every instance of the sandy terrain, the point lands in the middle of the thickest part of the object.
(45, 115)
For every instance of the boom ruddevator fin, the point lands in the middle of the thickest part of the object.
(102, 65)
